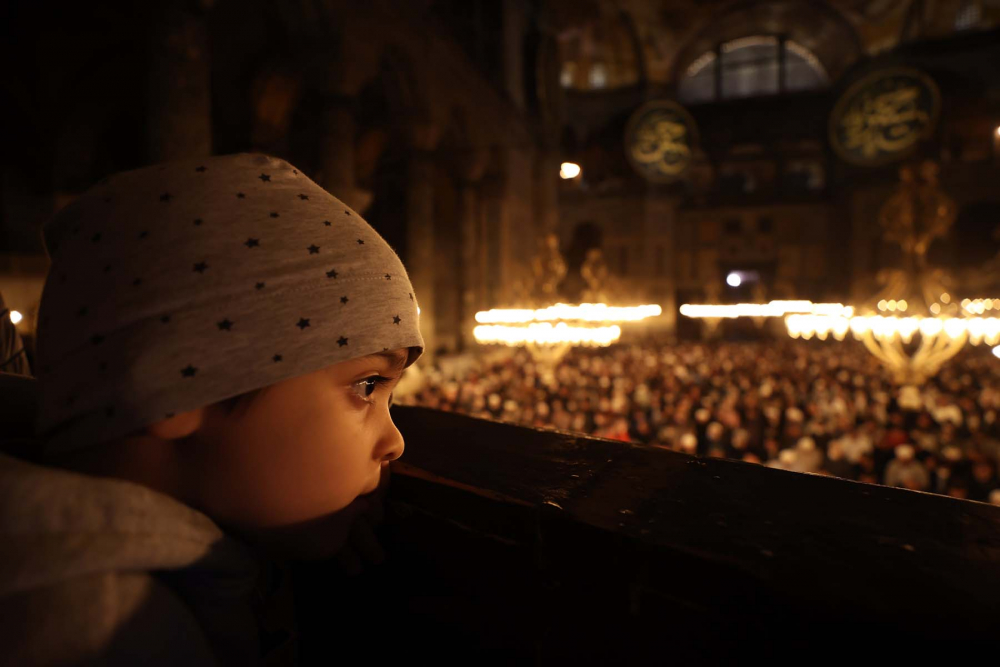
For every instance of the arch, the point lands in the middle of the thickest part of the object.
(603, 53)
(752, 66)
(811, 25)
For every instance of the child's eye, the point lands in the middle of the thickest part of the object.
(365, 389)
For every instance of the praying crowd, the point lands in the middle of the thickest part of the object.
(826, 408)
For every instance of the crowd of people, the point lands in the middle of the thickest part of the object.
(826, 408)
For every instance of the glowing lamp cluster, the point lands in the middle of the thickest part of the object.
(585, 324)
(771, 309)
(585, 312)
(884, 335)
(978, 329)
(545, 333)
(941, 338)
(15, 317)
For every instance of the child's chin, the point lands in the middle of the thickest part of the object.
(315, 539)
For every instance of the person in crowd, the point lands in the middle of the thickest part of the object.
(906, 471)
(751, 402)
(218, 344)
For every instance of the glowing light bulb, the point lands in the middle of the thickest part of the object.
(996, 352)
(734, 280)
(946, 298)
(936, 308)
(568, 170)
(15, 316)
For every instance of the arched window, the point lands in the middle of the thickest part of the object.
(598, 55)
(751, 67)
(969, 16)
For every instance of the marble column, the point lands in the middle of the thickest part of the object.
(337, 161)
(420, 258)
(179, 86)
(470, 242)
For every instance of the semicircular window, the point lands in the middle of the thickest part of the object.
(751, 67)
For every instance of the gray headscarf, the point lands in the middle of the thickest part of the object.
(180, 285)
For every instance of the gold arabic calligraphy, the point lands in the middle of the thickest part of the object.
(661, 144)
(885, 122)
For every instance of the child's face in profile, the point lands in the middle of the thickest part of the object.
(302, 452)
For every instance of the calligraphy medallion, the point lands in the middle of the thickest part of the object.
(883, 117)
(660, 140)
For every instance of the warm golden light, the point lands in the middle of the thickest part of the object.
(544, 333)
(584, 312)
(889, 328)
(772, 309)
(15, 316)
(568, 170)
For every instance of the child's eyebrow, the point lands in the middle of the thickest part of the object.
(397, 360)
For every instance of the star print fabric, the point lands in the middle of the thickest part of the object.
(179, 285)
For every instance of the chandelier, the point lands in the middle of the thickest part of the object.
(912, 325)
(550, 330)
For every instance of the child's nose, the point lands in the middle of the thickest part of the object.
(391, 447)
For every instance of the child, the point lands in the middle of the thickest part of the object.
(218, 342)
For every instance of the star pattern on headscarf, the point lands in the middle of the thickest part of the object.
(184, 199)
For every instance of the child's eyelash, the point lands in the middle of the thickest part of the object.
(368, 386)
